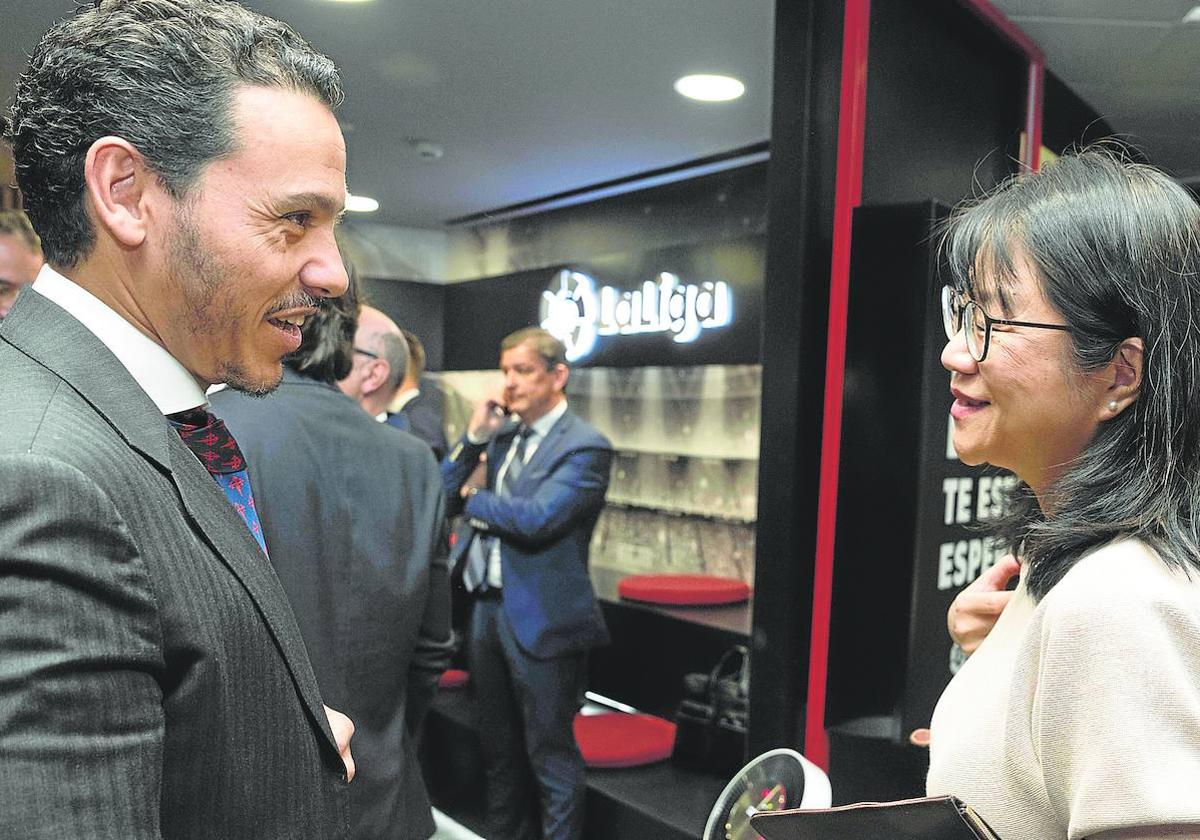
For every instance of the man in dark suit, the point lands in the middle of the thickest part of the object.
(414, 409)
(535, 614)
(153, 681)
(352, 513)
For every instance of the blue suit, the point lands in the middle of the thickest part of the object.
(527, 648)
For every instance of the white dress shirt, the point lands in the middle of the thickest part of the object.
(159, 374)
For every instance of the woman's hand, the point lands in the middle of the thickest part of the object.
(976, 609)
(343, 731)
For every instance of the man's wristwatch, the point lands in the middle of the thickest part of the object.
(472, 490)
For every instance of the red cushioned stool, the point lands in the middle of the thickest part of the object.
(453, 678)
(683, 590)
(617, 739)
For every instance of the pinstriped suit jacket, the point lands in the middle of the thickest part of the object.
(153, 682)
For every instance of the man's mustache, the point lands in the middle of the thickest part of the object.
(296, 300)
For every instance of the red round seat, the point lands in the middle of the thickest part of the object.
(453, 678)
(617, 739)
(684, 590)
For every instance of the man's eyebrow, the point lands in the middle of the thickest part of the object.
(323, 202)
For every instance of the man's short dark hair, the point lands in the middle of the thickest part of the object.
(552, 351)
(161, 74)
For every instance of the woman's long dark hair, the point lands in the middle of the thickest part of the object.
(1116, 247)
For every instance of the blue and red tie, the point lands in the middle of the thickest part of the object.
(213, 444)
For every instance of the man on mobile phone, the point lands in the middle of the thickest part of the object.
(525, 563)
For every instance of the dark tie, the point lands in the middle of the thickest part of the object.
(213, 444)
(517, 464)
(475, 572)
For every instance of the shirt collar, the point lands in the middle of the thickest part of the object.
(156, 371)
(546, 422)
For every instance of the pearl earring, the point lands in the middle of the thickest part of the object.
(1112, 405)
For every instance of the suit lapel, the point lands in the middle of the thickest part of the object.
(57, 341)
(229, 538)
(545, 450)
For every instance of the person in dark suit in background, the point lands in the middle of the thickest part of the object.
(413, 410)
(525, 562)
(353, 517)
(153, 681)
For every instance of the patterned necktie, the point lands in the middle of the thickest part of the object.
(475, 572)
(213, 444)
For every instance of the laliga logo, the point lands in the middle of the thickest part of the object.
(576, 312)
(571, 312)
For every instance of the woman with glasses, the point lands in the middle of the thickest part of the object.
(1073, 318)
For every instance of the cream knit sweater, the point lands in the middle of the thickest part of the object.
(1081, 714)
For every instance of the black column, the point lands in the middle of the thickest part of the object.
(801, 176)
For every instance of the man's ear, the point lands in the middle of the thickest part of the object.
(376, 375)
(560, 372)
(119, 185)
(1124, 376)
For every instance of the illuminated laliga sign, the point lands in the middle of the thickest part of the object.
(578, 312)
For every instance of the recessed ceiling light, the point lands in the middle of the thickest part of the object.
(1193, 15)
(708, 88)
(360, 203)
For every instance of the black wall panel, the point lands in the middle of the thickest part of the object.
(416, 307)
(945, 103)
(479, 313)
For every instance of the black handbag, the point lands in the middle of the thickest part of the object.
(710, 725)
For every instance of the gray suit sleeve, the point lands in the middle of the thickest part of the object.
(81, 716)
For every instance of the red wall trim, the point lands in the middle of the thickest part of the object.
(847, 196)
(1033, 116)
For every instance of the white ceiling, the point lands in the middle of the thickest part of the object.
(533, 97)
(1134, 61)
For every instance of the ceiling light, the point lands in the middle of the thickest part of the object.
(1193, 15)
(360, 203)
(707, 88)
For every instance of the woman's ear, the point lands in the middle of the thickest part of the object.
(1124, 376)
(116, 179)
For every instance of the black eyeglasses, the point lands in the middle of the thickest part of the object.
(959, 310)
(366, 353)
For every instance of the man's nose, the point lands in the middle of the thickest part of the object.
(324, 275)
